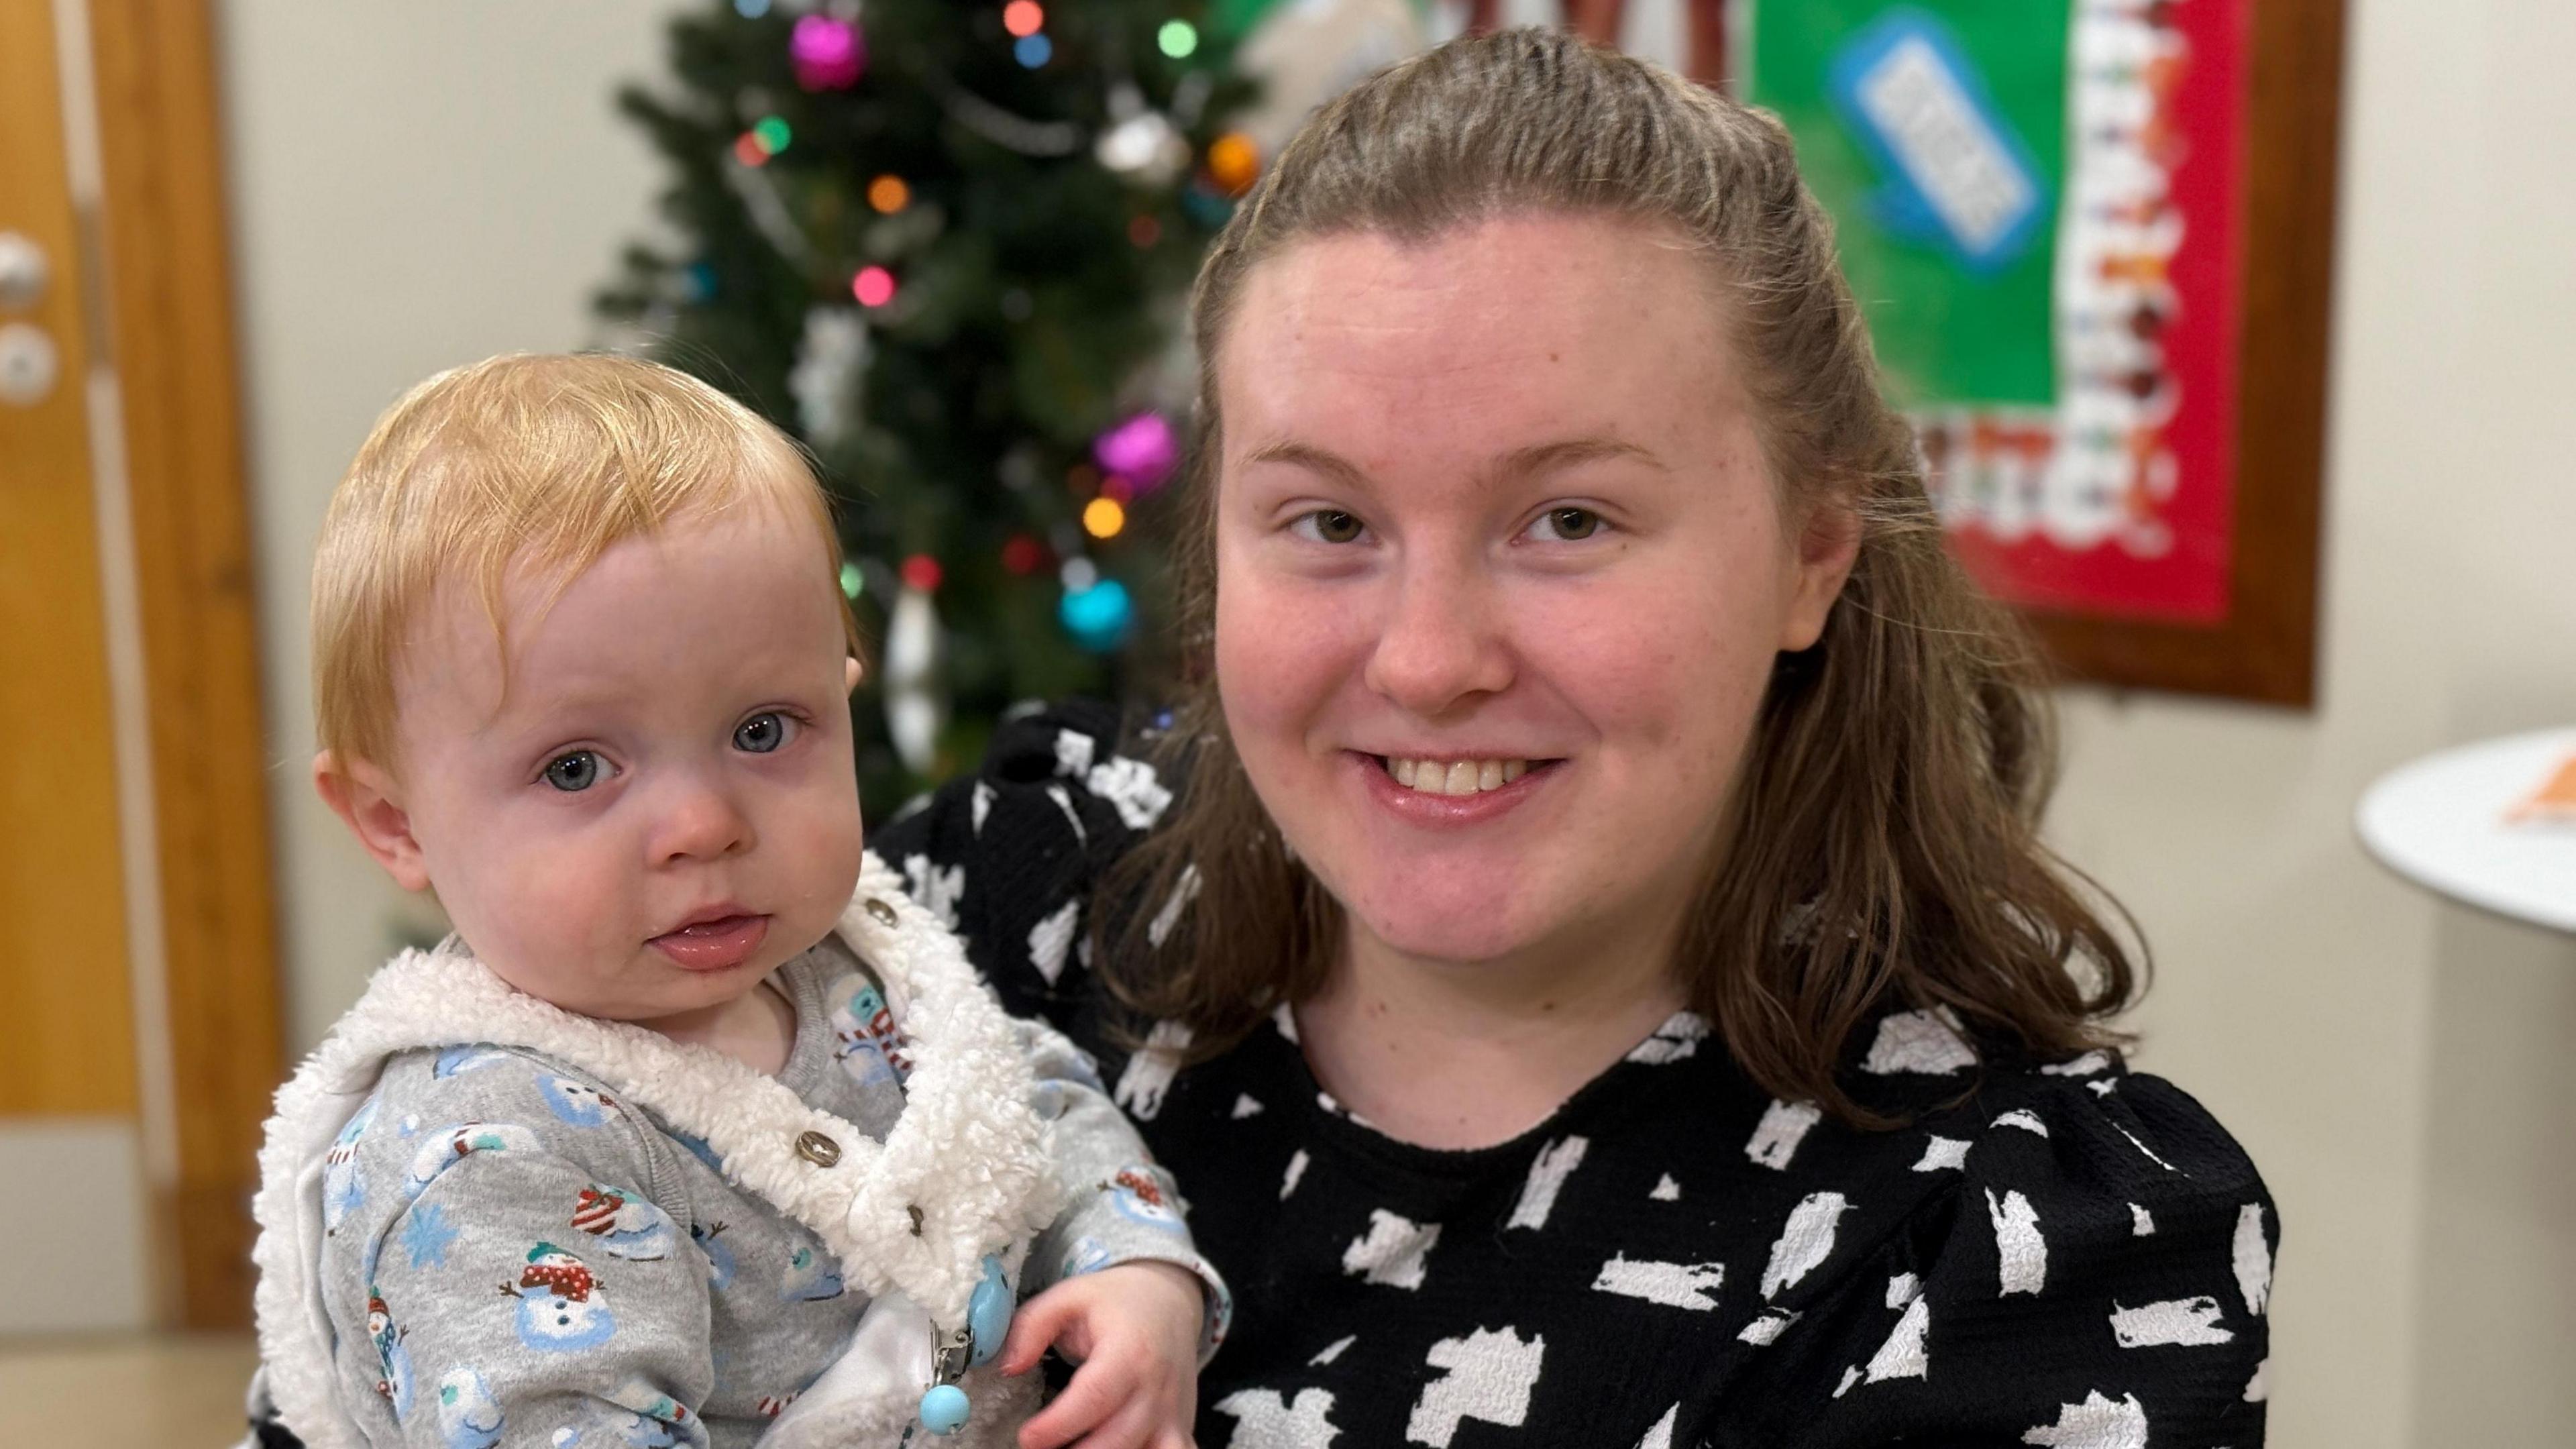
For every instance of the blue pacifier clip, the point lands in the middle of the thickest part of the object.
(988, 1321)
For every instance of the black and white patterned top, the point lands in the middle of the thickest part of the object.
(2077, 1256)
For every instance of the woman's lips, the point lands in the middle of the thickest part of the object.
(715, 945)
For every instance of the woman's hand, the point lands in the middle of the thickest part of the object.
(1134, 1329)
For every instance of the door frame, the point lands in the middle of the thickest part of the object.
(166, 278)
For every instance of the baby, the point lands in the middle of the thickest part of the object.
(697, 1131)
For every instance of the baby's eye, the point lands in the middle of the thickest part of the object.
(576, 771)
(763, 732)
(1329, 525)
(1566, 525)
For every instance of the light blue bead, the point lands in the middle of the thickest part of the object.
(943, 1409)
(988, 1316)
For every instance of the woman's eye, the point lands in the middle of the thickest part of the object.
(1330, 525)
(1566, 525)
(762, 733)
(576, 771)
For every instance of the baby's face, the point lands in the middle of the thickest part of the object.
(663, 808)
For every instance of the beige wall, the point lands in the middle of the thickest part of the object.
(413, 186)
(419, 185)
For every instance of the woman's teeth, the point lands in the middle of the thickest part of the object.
(1455, 777)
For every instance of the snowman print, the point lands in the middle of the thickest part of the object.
(577, 1103)
(342, 1188)
(710, 1241)
(811, 1277)
(561, 1306)
(1140, 1195)
(871, 1048)
(393, 1361)
(626, 1228)
(468, 1416)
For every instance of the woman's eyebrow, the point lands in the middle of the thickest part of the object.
(1520, 463)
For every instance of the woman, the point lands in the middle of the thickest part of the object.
(1597, 979)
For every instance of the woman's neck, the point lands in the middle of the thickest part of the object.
(1469, 1054)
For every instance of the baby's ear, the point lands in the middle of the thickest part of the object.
(369, 802)
(850, 672)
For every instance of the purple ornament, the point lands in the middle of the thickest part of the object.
(1143, 450)
(829, 53)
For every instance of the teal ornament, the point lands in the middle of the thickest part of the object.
(988, 1316)
(943, 1409)
(1097, 617)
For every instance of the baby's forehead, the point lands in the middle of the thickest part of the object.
(478, 628)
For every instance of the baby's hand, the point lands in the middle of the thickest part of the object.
(1135, 1331)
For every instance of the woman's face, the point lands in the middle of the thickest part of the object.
(1501, 576)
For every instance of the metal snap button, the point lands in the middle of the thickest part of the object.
(883, 912)
(817, 1149)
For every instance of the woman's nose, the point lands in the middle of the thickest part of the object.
(698, 821)
(1442, 643)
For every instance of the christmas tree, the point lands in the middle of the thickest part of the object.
(946, 243)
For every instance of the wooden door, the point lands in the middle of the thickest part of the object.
(134, 858)
(71, 1137)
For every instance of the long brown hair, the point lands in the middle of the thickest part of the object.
(1883, 847)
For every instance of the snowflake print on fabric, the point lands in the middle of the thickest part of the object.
(1943, 1154)
(343, 1189)
(1805, 1241)
(1925, 1043)
(1184, 891)
(1489, 1376)
(1087, 1255)
(427, 1234)
(1676, 1040)
(1665, 1189)
(1784, 1126)
(1675, 1285)
(577, 1103)
(393, 1361)
(1149, 1072)
(1393, 1250)
(2253, 1259)
(1264, 1421)
(468, 1416)
(1051, 940)
(2018, 1244)
(1296, 1173)
(811, 1277)
(1555, 1163)
(1661, 1435)
(623, 1225)
(2097, 1423)
(561, 1306)
(1130, 786)
(1902, 1356)
(936, 889)
(2181, 1322)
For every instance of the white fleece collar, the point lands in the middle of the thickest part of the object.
(963, 1173)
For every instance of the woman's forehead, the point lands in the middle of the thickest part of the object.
(1509, 333)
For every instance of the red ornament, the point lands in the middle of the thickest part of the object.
(1022, 554)
(922, 572)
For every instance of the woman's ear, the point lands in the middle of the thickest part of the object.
(1822, 554)
(850, 674)
(369, 802)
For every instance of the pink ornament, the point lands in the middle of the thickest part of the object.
(829, 53)
(1142, 449)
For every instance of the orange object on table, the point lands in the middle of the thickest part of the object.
(2554, 800)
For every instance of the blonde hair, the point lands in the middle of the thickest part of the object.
(521, 461)
(1882, 844)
